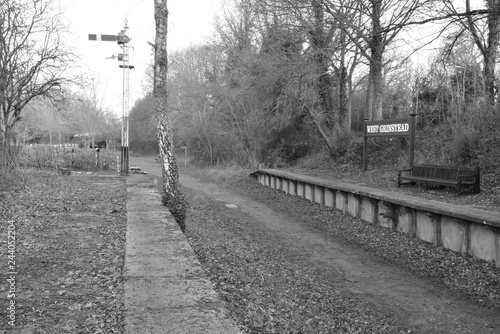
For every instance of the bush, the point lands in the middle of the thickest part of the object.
(475, 138)
(53, 157)
(354, 152)
(11, 177)
(380, 151)
(342, 139)
(287, 153)
(290, 144)
(8, 178)
(465, 147)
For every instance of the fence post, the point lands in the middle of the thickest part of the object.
(411, 153)
(365, 149)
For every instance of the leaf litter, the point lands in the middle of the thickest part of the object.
(268, 289)
(70, 237)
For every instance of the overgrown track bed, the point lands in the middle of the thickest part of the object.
(271, 288)
(70, 247)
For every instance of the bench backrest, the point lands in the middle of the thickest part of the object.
(444, 172)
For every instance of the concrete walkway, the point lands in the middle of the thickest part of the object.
(166, 290)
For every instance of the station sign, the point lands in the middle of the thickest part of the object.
(388, 128)
(403, 127)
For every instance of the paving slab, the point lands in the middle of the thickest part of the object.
(166, 289)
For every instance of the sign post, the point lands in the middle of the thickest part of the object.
(122, 39)
(404, 127)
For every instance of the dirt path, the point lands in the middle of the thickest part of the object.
(417, 304)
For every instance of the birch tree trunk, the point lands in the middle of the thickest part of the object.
(172, 197)
(342, 85)
(377, 46)
(321, 42)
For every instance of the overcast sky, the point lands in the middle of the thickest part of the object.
(190, 22)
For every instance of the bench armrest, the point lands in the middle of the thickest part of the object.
(404, 171)
(461, 177)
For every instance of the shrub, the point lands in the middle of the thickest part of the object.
(290, 144)
(465, 147)
(341, 141)
(380, 151)
(287, 153)
(8, 177)
(53, 157)
(354, 152)
(475, 138)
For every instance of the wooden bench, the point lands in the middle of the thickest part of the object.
(451, 176)
(135, 170)
(64, 171)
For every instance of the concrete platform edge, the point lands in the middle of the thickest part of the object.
(166, 289)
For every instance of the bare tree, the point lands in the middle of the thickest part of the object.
(173, 197)
(484, 28)
(328, 59)
(143, 137)
(379, 23)
(337, 52)
(192, 74)
(43, 117)
(33, 60)
(85, 120)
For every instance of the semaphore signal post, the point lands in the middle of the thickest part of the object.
(123, 42)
